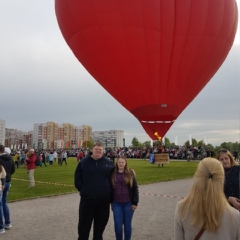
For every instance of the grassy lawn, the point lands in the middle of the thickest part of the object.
(56, 180)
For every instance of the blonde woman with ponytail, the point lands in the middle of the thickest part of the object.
(205, 212)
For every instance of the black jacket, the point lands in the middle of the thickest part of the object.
(7, 162)
(134, 192)
(231, 183)
(92, 178)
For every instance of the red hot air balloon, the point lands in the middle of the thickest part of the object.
(153, 56)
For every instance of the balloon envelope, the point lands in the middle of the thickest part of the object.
(152, 56)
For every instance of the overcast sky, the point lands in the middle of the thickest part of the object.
(41, 80)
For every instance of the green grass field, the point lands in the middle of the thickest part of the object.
(56, 180)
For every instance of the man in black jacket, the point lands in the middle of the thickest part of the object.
(7, 162)
(92, 179)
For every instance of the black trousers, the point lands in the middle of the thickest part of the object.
(91, 210)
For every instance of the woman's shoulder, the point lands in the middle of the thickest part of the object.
(234, 215)
(236, 168)
(132, 171)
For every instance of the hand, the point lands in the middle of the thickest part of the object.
(133, 207)
(235, 202)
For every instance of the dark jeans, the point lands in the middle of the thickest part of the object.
(63, 160)
(92, 210)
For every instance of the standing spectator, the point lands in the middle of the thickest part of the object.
(44, 158)
(92, 179)
(47, 156)
(51, 158)
(64, 158)
(16, 159)
(80, 156)
(2, 183)
(235, 154)
(55, 156)
(125, 198)
(31, 166)
(60, 157)
(205, 212)
(22, 157)
(231, 183)
(7, 162)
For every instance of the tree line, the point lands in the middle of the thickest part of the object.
(231, 146)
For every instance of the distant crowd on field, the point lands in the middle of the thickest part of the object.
(42, 157)
(60, 156)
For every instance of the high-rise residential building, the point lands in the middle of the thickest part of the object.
(51, 135)
(60, 137)
(111, 138)
(16, 139)
(86, 133)
(39, 135)
(2, 131)
(79, 137)
(69, 135)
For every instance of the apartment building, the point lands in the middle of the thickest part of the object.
(16, 139)
(2, 131)
(52, 135)
(111, 138)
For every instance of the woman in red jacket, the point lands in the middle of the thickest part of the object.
(31, 166)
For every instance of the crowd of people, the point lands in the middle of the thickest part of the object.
(60, 156)
(42, 157)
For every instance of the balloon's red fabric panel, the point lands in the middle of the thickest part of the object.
(153, 56)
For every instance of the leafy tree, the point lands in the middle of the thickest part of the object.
(88, 144)
(200, 143)
(210, 147)
(194, 143)
(167, 142)
(135, 142)
(146, 144)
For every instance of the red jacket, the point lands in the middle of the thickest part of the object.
(31, 162)
(80, 155)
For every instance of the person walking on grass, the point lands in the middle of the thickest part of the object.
(64, 158)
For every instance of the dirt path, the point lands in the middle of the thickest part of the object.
(56, 218)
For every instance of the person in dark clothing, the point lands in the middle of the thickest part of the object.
(44, 159)
(7, 162)
(235, 154)
(231, 183)
(92, 179)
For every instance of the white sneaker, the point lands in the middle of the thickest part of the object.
(2, 230)
(8, 226)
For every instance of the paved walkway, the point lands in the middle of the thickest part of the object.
(56, 218)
